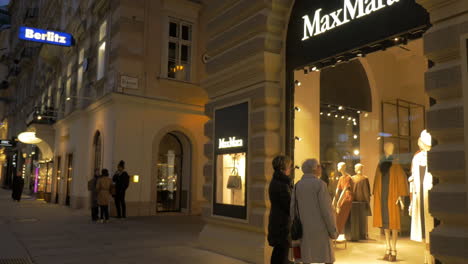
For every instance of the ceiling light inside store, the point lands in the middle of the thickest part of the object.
(297, 109)
(358, 112)
(366, 115)
(68, 98)
(298, 83)
(329, 114)
(336, 116)
(321, 113)
(355, 136)
(29, 138)
(356, 152)
(342, 117)
(39, 117)
(298, 138)
(340, 108)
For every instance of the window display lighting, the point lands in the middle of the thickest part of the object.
(297, 109)
(298, 138)
(297, 83)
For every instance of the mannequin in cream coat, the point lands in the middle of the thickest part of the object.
(420, 160)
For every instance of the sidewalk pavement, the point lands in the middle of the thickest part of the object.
(36, 232)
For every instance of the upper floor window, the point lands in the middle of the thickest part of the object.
(101, 67)
(79, 78)
(179, 57)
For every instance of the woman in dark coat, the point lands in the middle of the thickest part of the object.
(17, 187)
(279, 221)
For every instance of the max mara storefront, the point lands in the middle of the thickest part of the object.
(372, 88)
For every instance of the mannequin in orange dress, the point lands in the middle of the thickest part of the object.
(343, 199)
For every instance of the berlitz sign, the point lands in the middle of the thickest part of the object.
(231, 143)
(351, 10)
(45, 36)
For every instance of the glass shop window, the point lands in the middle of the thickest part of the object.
(231, 169)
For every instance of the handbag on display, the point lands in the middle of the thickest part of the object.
(296, 227)
(234, 180)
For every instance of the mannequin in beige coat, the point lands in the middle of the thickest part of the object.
(103, 187)
(316, 214)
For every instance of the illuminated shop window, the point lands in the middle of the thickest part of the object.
(230, 173)
(179, 50)
(231, 159)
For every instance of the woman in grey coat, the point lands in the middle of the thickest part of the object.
(316, 214)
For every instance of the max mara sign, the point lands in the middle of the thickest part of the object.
(45, 36)
(351, 10)
(231, 143)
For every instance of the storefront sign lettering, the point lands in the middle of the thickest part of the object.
(352, 10)
(231, 143)
(45, 36)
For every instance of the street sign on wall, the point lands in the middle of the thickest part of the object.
(46, 36)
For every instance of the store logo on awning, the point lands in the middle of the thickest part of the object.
(231, 143)
(352, 10)
(46, 36)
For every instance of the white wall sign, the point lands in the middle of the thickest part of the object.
(231, 143)
(129, 82)
(352, 10)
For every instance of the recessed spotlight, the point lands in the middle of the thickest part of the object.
(298, 83)
(298, 138)
(297, 109)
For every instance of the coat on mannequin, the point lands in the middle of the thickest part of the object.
(390, 185)
(343, 198)
(361, 207)
(420, 184)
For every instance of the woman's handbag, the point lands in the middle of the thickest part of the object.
(234, 180)
(296, 227)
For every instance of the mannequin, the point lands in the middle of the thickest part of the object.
(361, 208)
(390, 185)
(343, 198)
(420, 184)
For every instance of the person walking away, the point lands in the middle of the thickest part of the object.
(103, 187)
(121, 181)
(316, 214)
(94, 196)
(279, 220)
(17, 187)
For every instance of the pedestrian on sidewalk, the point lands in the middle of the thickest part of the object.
(103, 186)
(121, 181)
(17, 187)
(92, 184)
(316, 214)
(279, 220)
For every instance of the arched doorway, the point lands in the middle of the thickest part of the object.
(349, 95)
(173, 171)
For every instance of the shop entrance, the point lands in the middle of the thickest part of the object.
(355, 88)
(173, 173)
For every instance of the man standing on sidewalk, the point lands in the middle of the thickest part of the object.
(94, 196)
(121, 181)
(17, 187)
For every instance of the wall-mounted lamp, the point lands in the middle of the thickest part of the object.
(297, 109)
(136, 178)
(297, 83)
(298, 138)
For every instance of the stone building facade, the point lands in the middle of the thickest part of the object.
(127, 89)
(246, 43)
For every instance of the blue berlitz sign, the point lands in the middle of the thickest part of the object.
(46, 36)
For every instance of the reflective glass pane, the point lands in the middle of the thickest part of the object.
(186, 32)
(173, 30)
